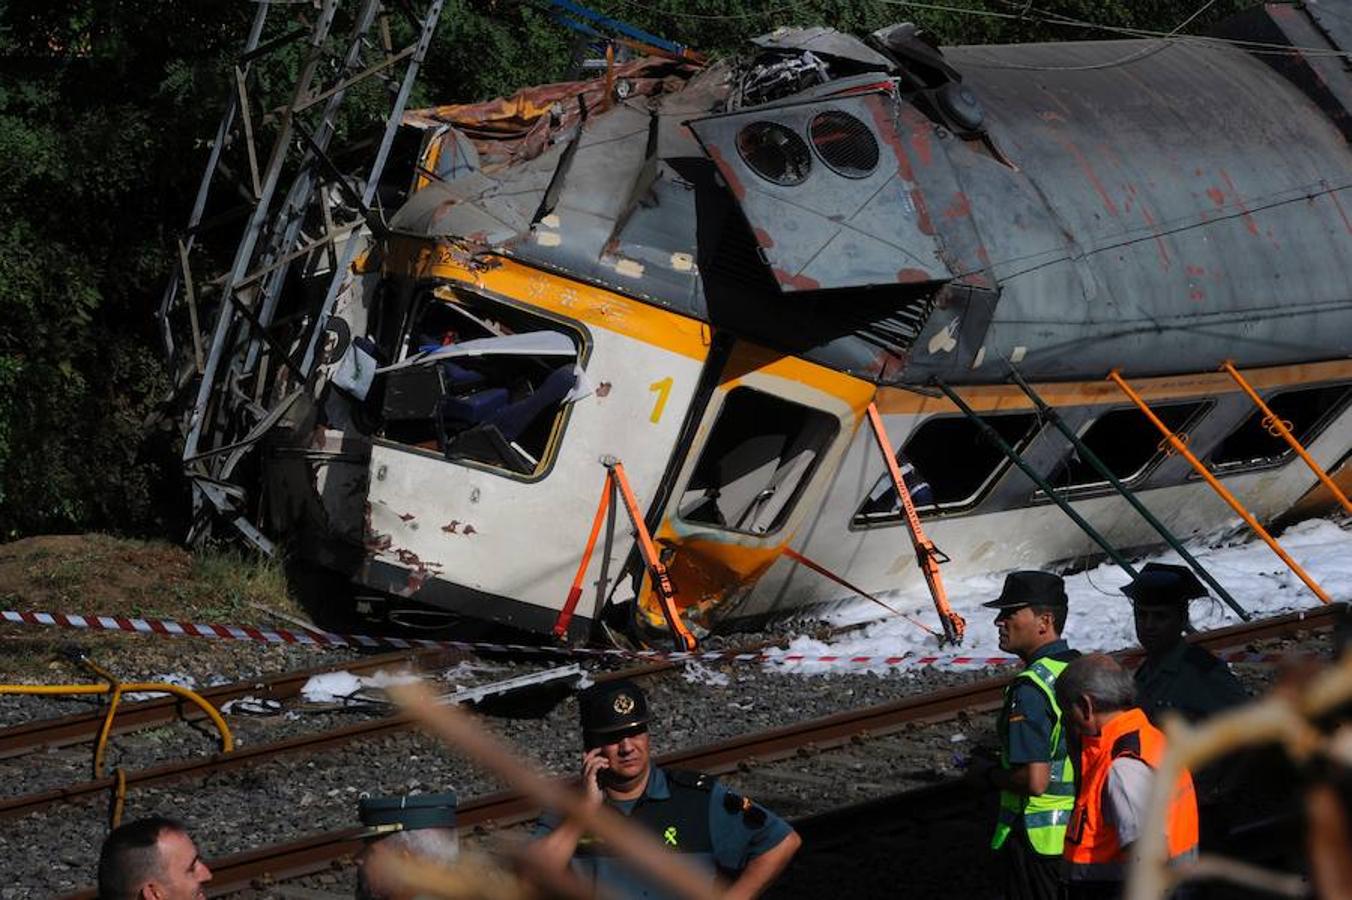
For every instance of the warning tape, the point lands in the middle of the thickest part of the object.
(317, 638)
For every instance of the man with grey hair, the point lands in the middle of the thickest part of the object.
(410, 826)
(1120, 751)
(151, 859)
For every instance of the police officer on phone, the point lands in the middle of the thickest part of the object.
(740, 842)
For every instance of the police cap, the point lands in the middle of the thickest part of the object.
(1030, 588)
(611, 710)
(407, 812)
(1161, 584)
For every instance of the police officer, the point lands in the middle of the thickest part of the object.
(739, 841)
(1176, 675)
(411, 826)
(1035, 776)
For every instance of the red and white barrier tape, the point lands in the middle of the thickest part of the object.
(316, 638)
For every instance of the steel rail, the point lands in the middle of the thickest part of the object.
(316, 852)
(78, 727)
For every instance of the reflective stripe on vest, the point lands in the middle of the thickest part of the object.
(1092, 848)
(1046, 815)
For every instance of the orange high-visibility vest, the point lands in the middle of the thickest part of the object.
(1092, 848)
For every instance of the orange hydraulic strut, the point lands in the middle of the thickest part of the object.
(615, 478)
(1182, 449)
(661, 580)
(575, 592)
(926, 553)
(1274, 424)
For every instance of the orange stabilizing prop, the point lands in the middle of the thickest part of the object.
(575, 592)
(1181, 448)
(1275, 425)
(926, 553)
(661, 580)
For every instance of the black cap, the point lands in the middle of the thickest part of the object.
(610, 709)
(1030, 589)
(407, 812)
(1161, 584)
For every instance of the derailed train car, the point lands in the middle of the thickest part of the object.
(710, 272)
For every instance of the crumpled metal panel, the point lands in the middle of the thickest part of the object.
(832, 231)
(826, 42)
(510, 130)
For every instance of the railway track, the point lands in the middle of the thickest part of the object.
(316, 852)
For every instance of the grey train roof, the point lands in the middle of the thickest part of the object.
(1159, 207)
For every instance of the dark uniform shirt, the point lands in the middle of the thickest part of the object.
(1030, 718)
(1187, 679)
(695, 816)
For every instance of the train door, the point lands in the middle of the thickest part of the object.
(774, 430)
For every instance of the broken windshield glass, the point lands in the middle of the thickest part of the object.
(480, 382)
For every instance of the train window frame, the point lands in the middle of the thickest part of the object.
(1311, 433)
(1204, 407)
(825, 441)
(582, 340)
(860, 520)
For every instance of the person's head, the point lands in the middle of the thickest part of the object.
(1160, 595)
(1093, 690)
(615, 722)
(1031, 611)
(413, 826)
(151, 859)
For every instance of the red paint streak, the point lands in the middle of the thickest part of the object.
(1083, 162)
(1244, 214)
(920, 143)
(797, 282)
(1333, 195)
(1165, 261)
(1196, 295)
(734, 183)
(763, 238)
(888, 131)
(912, 276)
(1195, 271)
(961, 207)
(982, 255)
(1217, 196)
(922, 216)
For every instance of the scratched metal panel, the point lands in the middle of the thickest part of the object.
(832, 231)
(1198, 196)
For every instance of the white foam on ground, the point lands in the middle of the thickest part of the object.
(1100, 616)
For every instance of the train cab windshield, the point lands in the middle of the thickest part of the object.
(480, 382)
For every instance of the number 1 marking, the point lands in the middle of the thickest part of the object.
(663, 389)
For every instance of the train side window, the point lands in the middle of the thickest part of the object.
(760, 454)
(1126, 442)
(947, 465)
(1306, 412)
(479, 382)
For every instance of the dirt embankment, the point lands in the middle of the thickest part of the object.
(99, 574)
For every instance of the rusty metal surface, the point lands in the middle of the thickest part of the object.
(831, 230)
(1155, 206)
(317, 852)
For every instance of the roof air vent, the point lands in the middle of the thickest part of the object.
(844, 143)
(961, 106)
(774, 153)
